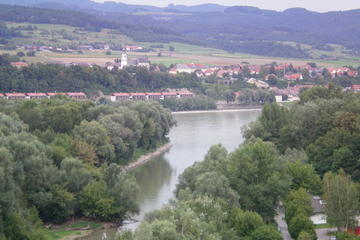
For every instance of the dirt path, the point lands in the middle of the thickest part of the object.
(147, 157)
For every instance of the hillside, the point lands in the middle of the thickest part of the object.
(257, 31)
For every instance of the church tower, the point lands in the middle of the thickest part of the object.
(124, 61)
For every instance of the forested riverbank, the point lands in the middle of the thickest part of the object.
(61, 159)
(291, 153)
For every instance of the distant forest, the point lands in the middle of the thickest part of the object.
(235, 29)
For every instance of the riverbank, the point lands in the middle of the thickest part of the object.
(221, 110)
(147, 157)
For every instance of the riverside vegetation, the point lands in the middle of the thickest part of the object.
(309, 147)
(61, 159)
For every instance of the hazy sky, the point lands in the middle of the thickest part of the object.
(315, 5)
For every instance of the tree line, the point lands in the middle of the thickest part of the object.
(61, 159)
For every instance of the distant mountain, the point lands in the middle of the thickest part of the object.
(110, 6)
(198, 8)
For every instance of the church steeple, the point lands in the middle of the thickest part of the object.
(124, 61)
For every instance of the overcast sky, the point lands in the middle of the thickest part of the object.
(315, 5)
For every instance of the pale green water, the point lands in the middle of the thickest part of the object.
(194, 134)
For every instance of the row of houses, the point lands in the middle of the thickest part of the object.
(146, 96)
(18, 96)
(114, 97)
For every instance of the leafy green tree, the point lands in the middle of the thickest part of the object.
(246, 222)
(266, 233)
(342, 200)
(95, 134)
(257, 175)
(300, 223)
(304, 176)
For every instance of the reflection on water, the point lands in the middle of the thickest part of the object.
(194, 134)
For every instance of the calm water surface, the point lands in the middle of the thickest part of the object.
(194, 134)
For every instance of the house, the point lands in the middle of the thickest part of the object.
(76, 95)
(167, 95)
(154, 96)
(258, 83)
(37, 95)
(318, 206)
(120, 96)
(51, 95)
(188, 68)
(132, 48)
(19, 64)
(138, 96)
(294, 77)
(185, 94)
(278, 98)
(355, 88)
(15, 96)
(2, 96)
(143, 62)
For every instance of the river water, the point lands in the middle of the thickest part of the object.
(194, 134)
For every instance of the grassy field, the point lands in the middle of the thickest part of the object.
(61, 35)
(73, 230)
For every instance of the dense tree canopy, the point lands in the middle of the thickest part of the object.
(60, 158)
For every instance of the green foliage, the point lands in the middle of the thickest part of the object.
(266, 233)
(189, 104)
(332, 91)
(300, 223)
(246, 222)
(342, 200)
(304, 176)
(64, 170)
(257, 175)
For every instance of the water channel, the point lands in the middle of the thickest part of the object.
(194, 134)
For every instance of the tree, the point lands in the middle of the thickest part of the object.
(301, 223)
(257, 175)
(342, 200)
(95, 134)
(266, 233)
(246, 222)
(304, 175)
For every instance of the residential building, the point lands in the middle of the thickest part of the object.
(15, 96)
(76, 95)
(37, 96)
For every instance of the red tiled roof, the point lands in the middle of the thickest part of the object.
(55, 94)
(19, 64)
(137, 94)
(15, 94)
(2, 95)
(76, 94)
(169, 93)
(357, 87)
(121, 94)
(36, 94)
(153, 94)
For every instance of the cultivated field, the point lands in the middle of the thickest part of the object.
(61, 35)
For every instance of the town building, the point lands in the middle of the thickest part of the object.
(15, 96)
(37, 96)
(76, 95)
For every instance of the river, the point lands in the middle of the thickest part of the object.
(194, 134)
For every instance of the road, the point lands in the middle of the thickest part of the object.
(280, 219)
(322, 234)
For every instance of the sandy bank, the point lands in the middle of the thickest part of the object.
(147, 157)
